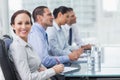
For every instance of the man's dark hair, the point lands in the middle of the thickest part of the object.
(38, 11)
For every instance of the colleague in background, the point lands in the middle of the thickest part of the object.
(71, 32)
(26, 60)
(59, 45)
(39, 40)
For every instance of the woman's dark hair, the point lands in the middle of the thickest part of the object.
(19, 12)
(61, 9)
(70, 9)
(38, 11)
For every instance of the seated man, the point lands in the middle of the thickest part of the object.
(71, 32)
(39, 40)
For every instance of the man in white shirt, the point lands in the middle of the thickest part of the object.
(75, 36)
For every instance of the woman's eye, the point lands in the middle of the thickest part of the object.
(27, 23)
(20, 23)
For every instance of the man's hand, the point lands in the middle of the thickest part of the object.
(87, 47)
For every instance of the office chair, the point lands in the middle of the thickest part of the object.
(7, 65)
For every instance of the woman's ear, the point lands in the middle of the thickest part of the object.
(13, 26)
(59, 14)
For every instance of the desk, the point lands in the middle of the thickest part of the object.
(110, 66)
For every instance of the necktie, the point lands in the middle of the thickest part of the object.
(47, 38)
(70, 37)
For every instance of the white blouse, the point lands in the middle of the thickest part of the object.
(27, 61)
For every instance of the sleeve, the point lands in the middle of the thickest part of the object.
(21, 62)
(35, 40)
(76, 37)
(39, 46)
(54, 45)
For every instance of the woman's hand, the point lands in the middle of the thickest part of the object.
(41, 69)
(58, 68)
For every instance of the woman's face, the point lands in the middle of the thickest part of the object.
(64, 18)
(22, 25)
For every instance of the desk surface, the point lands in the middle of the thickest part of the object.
(109, 67)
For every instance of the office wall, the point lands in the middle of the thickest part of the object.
(4, 17)
(92, 21)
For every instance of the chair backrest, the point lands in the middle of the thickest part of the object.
(7, 66)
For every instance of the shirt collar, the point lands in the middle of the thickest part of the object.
(39, 28)
(67, 26)
(20, 40)
(56, 26)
